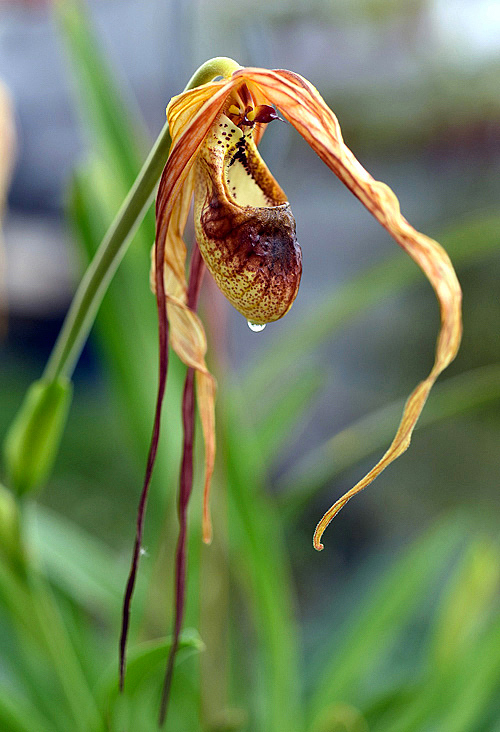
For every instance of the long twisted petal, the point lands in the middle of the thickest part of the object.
(303, 106)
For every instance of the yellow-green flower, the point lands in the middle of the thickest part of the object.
(246, 231)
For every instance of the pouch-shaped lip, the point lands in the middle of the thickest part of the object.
(244, 225)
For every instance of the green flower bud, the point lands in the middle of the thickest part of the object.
(31, 444)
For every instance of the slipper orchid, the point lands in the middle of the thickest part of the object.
(246, 231)
(246, 235)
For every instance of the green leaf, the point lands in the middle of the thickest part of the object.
(459, 697)
(76, 562)
(468, 600)
(117, 130)
(281, 413)
(383, 614)
(10, 530)
(145, 660)
(18, 714)
(475, 686)
(261, 564)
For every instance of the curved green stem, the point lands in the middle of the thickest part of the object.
(99, 274)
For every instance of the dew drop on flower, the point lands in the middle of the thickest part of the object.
(256, 327)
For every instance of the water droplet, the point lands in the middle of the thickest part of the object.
(256, 327)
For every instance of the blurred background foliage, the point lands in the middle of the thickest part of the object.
(394, 627)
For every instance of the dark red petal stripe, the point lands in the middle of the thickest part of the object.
(185, 488)
(153, 448)
(178, 165)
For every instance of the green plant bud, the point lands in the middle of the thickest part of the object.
(33, 439)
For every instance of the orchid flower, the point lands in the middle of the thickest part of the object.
(245, 232)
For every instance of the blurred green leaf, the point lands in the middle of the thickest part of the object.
(382, 615)
(10, 536)
(455, 699)
(467, 602)
(18, 714)
(117, 130)
(475, 686)
(145, 660)
(261, 563)
(283, 412)
(62, 655)
(457, 683)
(375, 431)
(127, 322)
(75, 561)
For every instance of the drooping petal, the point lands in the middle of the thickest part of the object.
(205, 397)
(303, 106)
(190, 117)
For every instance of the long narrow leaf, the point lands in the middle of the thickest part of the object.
(18, 715)
(382, 615)
(260, 551)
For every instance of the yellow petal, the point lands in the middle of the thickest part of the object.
(205, 397)
(182, 108)
(303, 106)
(187, 337)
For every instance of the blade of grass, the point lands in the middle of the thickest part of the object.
(37, 619)
(476, 685)
(61, 652)
(117, 130)
(260, 552)
(462, 664)
(146, 659)
(466, 603)
(383, 614)
(285, 410)
(456, 699)
(75, 561)
(18, 715)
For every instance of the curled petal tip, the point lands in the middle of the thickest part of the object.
(318, 545)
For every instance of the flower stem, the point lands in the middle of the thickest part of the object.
(99, 274)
